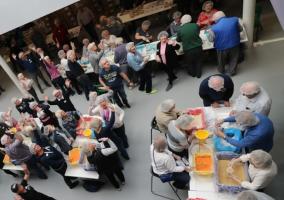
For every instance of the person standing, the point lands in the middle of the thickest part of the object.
(139, 64)
(85, 20)
(62, 100)
(27, 192)
(111, 78)
(226, 36)
(188, 35)
(60, 34)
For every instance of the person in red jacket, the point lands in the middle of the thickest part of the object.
(60, 34)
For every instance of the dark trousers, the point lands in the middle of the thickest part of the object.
(89, 28)
(119, 93)
(183, 153)
(118, 142)
(133, 76)
(193, 59)
(112, 179)
(35, 77)
(120, 132)
(62, 171)
(86, 84)
(145, 80)
(33, 164)
(180, 179)
(169, 70)
(34, 94)
(74, 82)
(230, 56)
(59, 83)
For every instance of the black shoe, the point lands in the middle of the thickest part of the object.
(169, 87)
(79, 92)
(126, 157)
(127, 105)
(73, 185)
(43, 176)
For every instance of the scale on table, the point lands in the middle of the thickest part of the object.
(203, 155)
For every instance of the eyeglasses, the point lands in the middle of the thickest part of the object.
(250, 96)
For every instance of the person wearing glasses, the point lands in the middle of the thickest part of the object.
(253, 98)
(216, 90)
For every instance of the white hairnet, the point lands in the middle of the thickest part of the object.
(160, 143)
(250, 88)
(129, 45)
(183, 121)
(216, 82)
(167, 105)
(162, 33)
(260, 159)
(246, 118)
(185, 19)
(218, 15)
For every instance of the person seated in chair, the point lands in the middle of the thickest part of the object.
(164, 164)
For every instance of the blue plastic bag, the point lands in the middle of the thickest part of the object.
(222, 145)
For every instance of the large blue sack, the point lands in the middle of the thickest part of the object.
(222, 145)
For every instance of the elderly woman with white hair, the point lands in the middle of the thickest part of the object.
(216, 89)
(104, 111)
(205, 17)
(108, 40)
(262, 169)
(253, 195)
(139, 64)
(165, 113)
(111, 77)
(175, 25)
(93, 100)
(179, 135)
(95, 54)
(103, 129)
(164, 164)
(226, 36)
(253, 98)
(143, 34)
(258, 131)
(166, 55)
(188, 35)
(104, 156)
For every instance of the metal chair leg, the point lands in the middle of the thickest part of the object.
(175, 191)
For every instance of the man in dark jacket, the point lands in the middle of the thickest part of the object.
(22, 104)
(61, 100)
(216, 89)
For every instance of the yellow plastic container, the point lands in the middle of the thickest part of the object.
(202, 135)
(74, 156)
(87, 133)
(203, 163)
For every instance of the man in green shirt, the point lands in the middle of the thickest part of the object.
(188, 35)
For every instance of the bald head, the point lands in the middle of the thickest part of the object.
(250, 88)
(216, 83)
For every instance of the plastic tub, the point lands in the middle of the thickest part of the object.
(74, 156)
(203, 163)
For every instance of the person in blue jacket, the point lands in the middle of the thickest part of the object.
(258, 131)
(226, 36)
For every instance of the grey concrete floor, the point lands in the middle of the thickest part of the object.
(263, 64)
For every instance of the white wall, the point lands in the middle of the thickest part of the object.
(278, 6)
(15, 13)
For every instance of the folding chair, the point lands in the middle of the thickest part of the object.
(153, 174)
(154, 126)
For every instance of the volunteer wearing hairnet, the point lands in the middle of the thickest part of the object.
(262, 169)
(258, 129)
(253, 98)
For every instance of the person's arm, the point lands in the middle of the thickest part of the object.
(108, 151)
(125, 77)
(134, 63)
(251, 137)
(140, 37)
(18, 140)
(229, 89)
(256, 183)
(171, 165)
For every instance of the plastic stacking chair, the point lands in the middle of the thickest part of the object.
(154, 126)
(153, 174)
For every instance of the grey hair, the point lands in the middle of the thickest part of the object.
(177, 14)
(250, 88)
(167, 105)
(146, 23)
(163, 33)
(103, 59)
(96, 123)
(129, 45)
(100, 99)
(247, 195)
(160, 143)
(118, 41)
(218, 15)
(212, 80)
(185, 19)
(260, 159)
(183, 121)
(91, 45)
(61, 53)
(246, 118)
